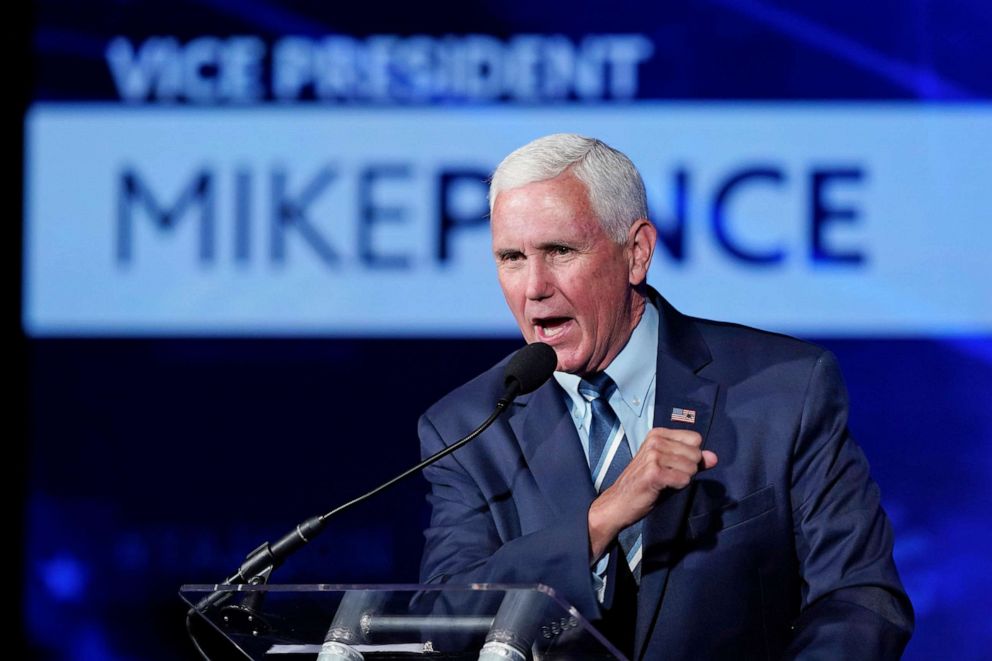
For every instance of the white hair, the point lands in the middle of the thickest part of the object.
(615, 188)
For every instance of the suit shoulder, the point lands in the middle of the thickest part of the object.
(754, 346)
(759, 361)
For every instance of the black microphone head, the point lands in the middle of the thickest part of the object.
(528, 369)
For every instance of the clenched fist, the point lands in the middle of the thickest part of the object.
(668, 459)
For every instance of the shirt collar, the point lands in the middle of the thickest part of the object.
(633, 370)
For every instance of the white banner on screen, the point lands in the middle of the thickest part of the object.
(839, 219)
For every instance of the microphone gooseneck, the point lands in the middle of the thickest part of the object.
(526, 371)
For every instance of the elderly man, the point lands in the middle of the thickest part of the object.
(690, 485)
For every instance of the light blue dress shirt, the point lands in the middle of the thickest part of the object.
(634, 370)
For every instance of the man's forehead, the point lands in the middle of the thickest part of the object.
(556, 205)
(522, 232)
(566, 181)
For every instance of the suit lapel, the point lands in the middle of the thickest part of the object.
(681, 353)
(552, 449)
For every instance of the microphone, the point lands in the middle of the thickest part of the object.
(526, 371)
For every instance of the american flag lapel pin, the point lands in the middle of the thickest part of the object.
(684, 415)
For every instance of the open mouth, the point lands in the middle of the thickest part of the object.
(548, 328)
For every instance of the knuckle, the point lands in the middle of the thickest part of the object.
(655, 440)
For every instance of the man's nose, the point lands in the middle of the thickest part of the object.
(540, 283)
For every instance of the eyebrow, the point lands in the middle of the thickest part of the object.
(541, 247)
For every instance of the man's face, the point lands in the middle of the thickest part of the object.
(566, 282)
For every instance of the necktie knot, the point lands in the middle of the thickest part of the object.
(598, 385)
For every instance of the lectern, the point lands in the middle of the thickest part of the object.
(489, 622)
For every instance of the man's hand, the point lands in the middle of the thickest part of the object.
(668, 459)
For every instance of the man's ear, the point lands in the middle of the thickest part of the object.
(641, 239)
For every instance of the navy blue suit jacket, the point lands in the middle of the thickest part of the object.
(785, 551)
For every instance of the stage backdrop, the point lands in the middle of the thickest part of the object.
(256, 247)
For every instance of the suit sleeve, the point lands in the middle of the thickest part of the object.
(465, 545)
(854, 605)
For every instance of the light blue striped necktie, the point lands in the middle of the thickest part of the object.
(609, 454)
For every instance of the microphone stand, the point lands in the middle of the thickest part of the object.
(260, 563)
(526, 371)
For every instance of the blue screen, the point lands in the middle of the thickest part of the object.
(252, 229)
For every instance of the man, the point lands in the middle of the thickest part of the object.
(688, 484)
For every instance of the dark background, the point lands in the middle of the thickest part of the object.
(148, 463)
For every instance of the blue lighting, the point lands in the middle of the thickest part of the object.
(925, 83)
(65, 577)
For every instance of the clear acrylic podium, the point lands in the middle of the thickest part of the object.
(355, 622)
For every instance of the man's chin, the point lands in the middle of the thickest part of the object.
(568, 362)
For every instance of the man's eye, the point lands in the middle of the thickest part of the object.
(561, 250)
